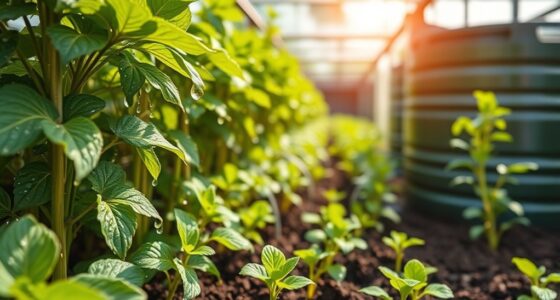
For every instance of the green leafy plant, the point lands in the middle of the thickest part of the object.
(193, 254)
(274, 272)
(486, 129)
(29, 254)
(412, 284)
(336, 235)
(399, 242)
(356, 143)
(539, 282)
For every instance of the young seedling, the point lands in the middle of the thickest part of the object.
(193, 254)
(539, 282)
(487, 128)
(413, 284)
(399, 241)
(274, 272)
(336, 235)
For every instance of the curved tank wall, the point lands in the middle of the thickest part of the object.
(396, 111)
(524, 72)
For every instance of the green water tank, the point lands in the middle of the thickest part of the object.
(396, 112)
(521, 64)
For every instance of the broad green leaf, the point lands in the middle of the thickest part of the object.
(186, 144)
(258, 97)
(141, 134)
(17, 9)
(527, 267)
(203, 264)
(172, 36)
(154, 255)
(255, 271)
(543, 293)
(187, 227)
(23, 111)
(5, 204)
(162, 82)
(29, 249)
(70, 289)
(126, 18)
(285, 269)
(32, 186)
(224, 62)
(414, 269)
(150, 160)
(191, 287)
(376, 291)
(390, 274)
(118, 225)
(81, 140)
(174, 11)
(295, 282)
(132, 78)
(310, 256)
(207, 200)
(115, 268)
(171, 58)
(203, 250)
(111, 288)
(231, 239)
(72, 44)
(438, 290)
(82, 105)
(337, 272)
(272, 258)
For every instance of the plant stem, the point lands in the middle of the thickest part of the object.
(489, 217)
(176, 280)
(398, 261)
(58, 208)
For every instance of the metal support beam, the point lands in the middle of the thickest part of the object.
(335, 36)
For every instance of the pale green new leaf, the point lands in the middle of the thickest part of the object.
(231, 239)
(203, 264)
(295, 282)
(376, 291)
(187, 227)
(414, 269)
(111, 288)
(191, 287)
(32, 186)
(70, 289)
(272, 258)
(150, 160)
(438, 290)
(254, 270)
(544, 293)
(224, 62)
(72, 44)
(23, 111)
(116, 268)
(337, 272)
(285, 269)
(81, 140)
(29, 249)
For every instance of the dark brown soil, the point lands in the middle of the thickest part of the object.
(468, 267)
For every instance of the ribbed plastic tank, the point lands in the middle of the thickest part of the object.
(396, 112)
(521, 64)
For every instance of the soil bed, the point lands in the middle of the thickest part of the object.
(468, 267)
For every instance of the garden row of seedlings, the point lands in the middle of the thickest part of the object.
(119, 113)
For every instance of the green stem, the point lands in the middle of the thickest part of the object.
(490, 218)
(58, 207)
(176, 280)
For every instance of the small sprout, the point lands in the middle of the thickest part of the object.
(413, 284)
(399, 241)
(539, 282)
(274, 272)
(484, 131)
(332, 195)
